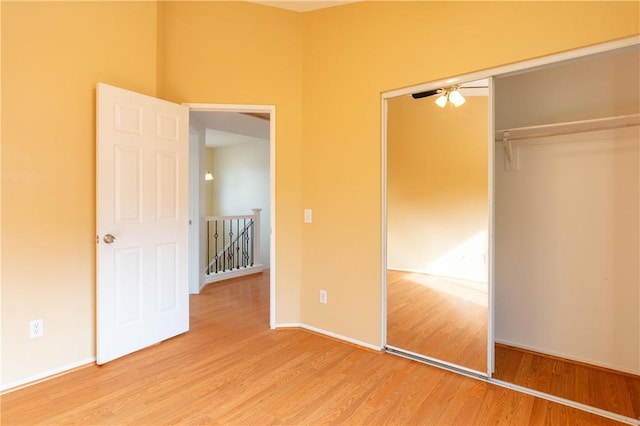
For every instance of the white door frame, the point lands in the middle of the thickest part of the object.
(195, 181)
(486, 74)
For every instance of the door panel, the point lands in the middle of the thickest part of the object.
(167, 273)
(167, 191)
(128, 170)
(128, 285)
(142, 200)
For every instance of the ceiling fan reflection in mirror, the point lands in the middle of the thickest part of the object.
(452, 94)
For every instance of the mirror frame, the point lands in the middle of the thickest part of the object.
(485, 371)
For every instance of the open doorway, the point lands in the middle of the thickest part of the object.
(232, 163)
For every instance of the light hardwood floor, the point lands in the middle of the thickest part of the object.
(599, 387)
(232, 369)
(426, 317)
(438, 318)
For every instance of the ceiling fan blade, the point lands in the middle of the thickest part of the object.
(424, 94)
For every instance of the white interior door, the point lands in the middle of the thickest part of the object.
(142, 202)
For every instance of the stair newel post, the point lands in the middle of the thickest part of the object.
(257, 260)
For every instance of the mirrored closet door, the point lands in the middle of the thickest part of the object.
(437, 224)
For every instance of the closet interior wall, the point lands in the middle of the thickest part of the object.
(567, 234)
(567, 248)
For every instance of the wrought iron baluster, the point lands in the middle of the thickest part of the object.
(249, 242)
(230, 248)
(244, 243)
(215, 239)
(252, 240)
(235, 246)
(241, 244)
(248, 233)
(232, 263)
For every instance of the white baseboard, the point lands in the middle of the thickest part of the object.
(330, 334)
(288, 325)
(212, 278)
(46, 375)
(565, 356)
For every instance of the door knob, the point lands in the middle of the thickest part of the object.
(109, 238)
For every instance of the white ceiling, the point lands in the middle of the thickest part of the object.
(301, 5)
(217, 138)
(229, 128)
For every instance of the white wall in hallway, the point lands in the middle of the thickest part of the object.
(241, 183)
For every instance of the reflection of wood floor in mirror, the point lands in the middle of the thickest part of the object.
(438, 318)
(595, 386)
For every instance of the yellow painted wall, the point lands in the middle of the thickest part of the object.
(53, 54)
(1, 357)
(355, 52)
(437, 187)
(323, 70)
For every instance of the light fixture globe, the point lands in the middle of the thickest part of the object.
(442, 100)
(456, 98)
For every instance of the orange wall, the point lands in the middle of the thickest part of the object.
(355, 52)
(437, 187)
(1, 221)
(53, 54)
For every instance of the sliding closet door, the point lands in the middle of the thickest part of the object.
(491, 272)
(437, 228)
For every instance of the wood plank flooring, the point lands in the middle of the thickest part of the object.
(232, 369)
(427, 318)
(438, 318)
(603, 388)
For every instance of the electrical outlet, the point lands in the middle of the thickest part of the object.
(323, 296)
(36, 328)
(308, 216)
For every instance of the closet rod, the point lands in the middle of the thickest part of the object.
(567, 128)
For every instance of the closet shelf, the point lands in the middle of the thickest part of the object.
(567, 128)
